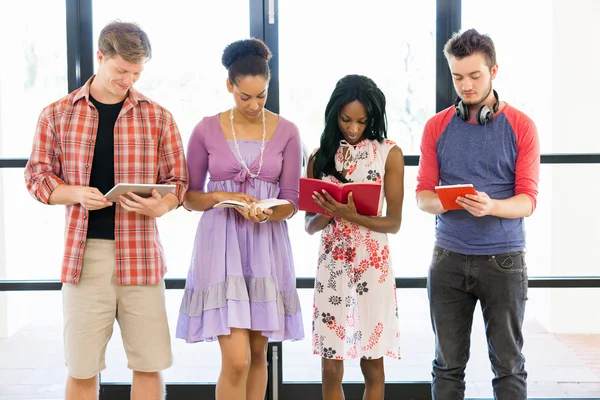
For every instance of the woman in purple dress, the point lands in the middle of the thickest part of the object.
(241, 286)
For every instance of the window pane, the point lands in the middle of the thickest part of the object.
(518, 82)
(33, 232)
(539, 69)
(185, 75)
(37, 72)
(395, 49)
(559, 233)
(403, 66)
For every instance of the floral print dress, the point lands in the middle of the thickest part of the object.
(355, 313)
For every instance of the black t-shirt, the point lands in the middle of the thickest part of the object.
(101, 224)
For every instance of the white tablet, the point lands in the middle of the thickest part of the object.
(141, 189)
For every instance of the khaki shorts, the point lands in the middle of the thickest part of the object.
(91, 307)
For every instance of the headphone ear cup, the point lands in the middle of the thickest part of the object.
(462, 110)
(484, 115)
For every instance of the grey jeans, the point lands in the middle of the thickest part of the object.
(455, 283)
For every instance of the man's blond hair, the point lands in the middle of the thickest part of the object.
(125, 39)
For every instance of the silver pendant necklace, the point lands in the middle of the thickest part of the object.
(348, 158)
(262, 146)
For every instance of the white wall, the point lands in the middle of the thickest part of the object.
(575, 189)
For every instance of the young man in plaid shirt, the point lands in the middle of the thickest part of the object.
(105, 133)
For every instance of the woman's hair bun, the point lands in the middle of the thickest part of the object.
(243, 48)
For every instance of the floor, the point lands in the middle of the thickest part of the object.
(559, 366)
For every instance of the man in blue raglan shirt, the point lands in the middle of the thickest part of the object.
(479, 250)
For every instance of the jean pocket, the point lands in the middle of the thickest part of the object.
(511, 263)
(438, 255)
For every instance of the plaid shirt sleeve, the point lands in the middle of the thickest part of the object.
(171, 164)
(43, 170)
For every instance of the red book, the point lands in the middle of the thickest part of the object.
(449, 193)
(365, 195)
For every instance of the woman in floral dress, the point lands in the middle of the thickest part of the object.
(355, 310)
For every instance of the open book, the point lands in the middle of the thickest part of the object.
(449, 193)
(365, 195)
(263, 204)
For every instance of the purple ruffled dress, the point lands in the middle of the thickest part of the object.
(242, 273)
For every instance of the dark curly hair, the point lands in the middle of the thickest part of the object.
(247, 57)
(348, 89)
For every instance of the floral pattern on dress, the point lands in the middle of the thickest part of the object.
(355, 313)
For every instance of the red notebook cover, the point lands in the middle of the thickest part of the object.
(449, 193)
(365, 194)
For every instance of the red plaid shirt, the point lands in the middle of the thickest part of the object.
(148, 149)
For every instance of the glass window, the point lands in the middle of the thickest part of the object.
(34, 73)
(396, 50)
(525, 69)
(185, 75)
(559, 244)
(33, 232)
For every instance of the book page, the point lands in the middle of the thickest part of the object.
(267, 203)
(270, 203)
(230, 204)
